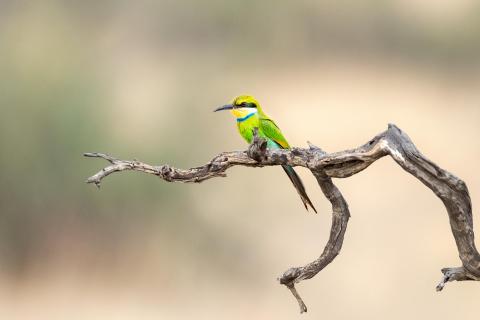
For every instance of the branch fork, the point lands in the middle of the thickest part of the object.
(324, 166)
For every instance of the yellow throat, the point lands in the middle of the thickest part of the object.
(240, 112)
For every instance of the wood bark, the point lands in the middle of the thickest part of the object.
(324, 166)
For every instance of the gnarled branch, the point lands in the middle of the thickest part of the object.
(325, 166)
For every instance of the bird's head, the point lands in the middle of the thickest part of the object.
(242, 106)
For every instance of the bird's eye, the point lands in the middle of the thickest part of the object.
(243, 104)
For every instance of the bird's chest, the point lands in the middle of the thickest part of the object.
(245, 128)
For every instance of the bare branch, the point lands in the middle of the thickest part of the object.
(324, 166)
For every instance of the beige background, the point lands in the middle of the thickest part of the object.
(140, 80)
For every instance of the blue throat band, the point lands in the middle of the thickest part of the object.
(246, 117)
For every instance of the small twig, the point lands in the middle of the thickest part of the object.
(301, 304)
(455, 274)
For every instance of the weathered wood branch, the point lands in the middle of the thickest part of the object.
(325, 166)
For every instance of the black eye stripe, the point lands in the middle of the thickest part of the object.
(246, 105)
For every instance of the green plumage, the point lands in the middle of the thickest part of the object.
(249, 116)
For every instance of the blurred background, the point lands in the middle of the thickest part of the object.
(139, 79)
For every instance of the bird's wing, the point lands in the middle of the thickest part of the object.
(272, 131)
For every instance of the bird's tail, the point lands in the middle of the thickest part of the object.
(298, 184)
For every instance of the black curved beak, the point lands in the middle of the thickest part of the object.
(225, 107)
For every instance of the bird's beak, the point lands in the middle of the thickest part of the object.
(225, 107)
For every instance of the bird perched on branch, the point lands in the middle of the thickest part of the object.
(250, 115)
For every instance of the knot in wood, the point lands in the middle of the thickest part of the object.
(165, 172)
(288, 278)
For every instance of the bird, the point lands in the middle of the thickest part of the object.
(250, 115)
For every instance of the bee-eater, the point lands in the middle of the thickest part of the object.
(250, 115)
